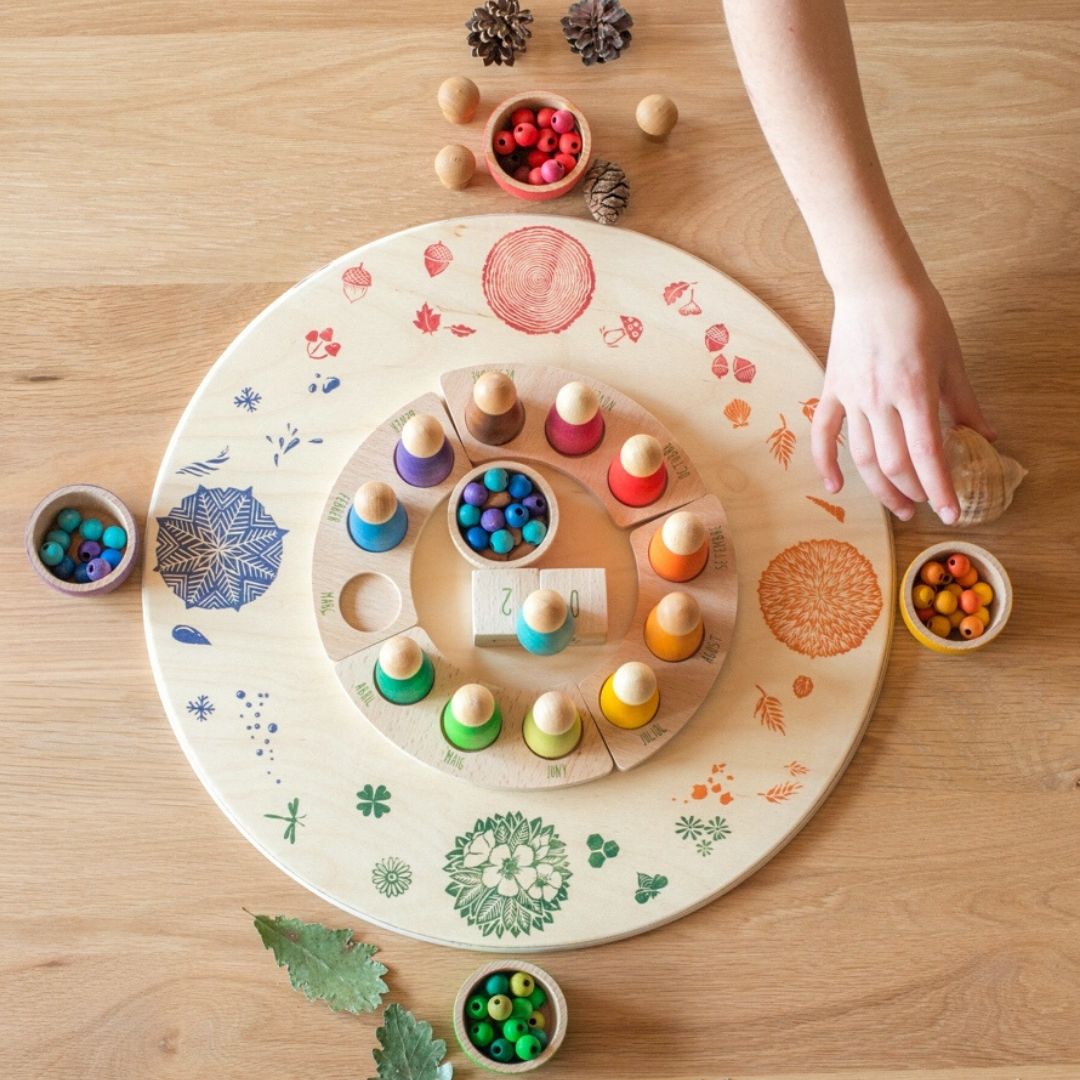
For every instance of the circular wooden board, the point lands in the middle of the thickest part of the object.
(253, 697)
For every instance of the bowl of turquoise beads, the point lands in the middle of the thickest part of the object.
(510, 1017)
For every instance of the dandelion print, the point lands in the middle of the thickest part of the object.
(392, 877)
(689, 828)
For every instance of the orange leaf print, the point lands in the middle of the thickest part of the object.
(771, 712)
(427, 321)
(802, 686)
(796, 768)
(782, 443)
(809, 407)
(738, 412)
(779, 793)
(837, 512)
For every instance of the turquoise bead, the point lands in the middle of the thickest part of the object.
(528, 1047)
(542, 1036)
(468, 515)
(114, 537)
(501, 1050)
(64, 568)
(112, 557)
(521, 984)
(52, 554)
(520, 486)
(538, 998)
(534, 531)
(497, 984)
(58, 536)
(514, 1028)
(502, 541)
(522, 1008)
(481, 1033)
(477, 1007)
(68, 519)
(496, 479)
(91, 529)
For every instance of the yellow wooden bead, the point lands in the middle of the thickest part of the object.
(984, 615)
(521, 984)
(983, 592)
(923, 596)
(955, 588)
(956, 618)
(945, 602)
(940, 625)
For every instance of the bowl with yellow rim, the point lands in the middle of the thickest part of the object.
(990, 570)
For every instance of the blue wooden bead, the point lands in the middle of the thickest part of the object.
(534, 531)
(502, 541)
(514, 1028)
(112, 557)
(475, 494)
(52, 554)
(68, 519)
(497, 984)
(520, 486)
(478, 538)
(88, 549)
(96, 569)
(493, 520)
(535, 503)
(528, 1047)
(64, 568)
(80, 577)
(496, 479)
(481, 1033)
(58, 536)
(477, 1007)
(501, 1050)
(114, 537)
(91, 529)
(516, 515)
(468, 515)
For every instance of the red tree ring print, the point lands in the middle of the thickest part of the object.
(538, 279)
(820, 597)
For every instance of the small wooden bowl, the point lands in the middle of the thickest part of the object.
(500, 117)
(990, 571)
(474, 557)
(91, 501)
(554, 1012)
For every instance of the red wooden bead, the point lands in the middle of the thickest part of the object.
(925, 614)
(522, 116)
(570, 143)
(522, 173)
(568, 161)
(535, 177)
(548, 141)
(526, 134)
(537, 157)
(562, 121)
(543, 117)
(552, 171)
(504, 142)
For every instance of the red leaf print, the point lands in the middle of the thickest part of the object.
(427, 321)
(327, 334)
(675, 290)
(333, 348)
(809, 406)
(716, 337)
(837, 512)
(719, 366)
(744, 370)
(312, 335)
(461, 330)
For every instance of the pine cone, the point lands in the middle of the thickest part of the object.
(607, 191)
(597, 29)
(498, 31)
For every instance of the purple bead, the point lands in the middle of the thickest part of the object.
(492, 520)
(475, 494)
(535, 504)
(96, 569)
(88, 549)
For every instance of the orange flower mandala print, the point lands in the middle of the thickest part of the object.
(820, 597)
(538, 279)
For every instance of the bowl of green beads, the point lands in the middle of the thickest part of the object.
(510, 1018)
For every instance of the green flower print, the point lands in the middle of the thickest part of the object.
(369, 801)
(689, 828)
(717, 828)
(508, 875)
(392, 877)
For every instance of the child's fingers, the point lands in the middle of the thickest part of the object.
(963, 408)
(891, 449)
(828, 419)
(865, 458)
(924, 442)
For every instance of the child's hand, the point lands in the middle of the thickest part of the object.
(892, 358)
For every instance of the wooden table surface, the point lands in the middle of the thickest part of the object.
(167, 168)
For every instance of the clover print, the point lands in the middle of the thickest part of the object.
(373, 801)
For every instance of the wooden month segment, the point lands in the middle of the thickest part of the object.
(507, 762)
(537, 389)
(683, 684)
(337, 560)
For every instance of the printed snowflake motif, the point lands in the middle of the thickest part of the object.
(373, 801)
(202, 708)
(704, 847)
(689, 828)
(717, 828)
(508, 875)
(219, 548)
(247, 399)
(392, 877)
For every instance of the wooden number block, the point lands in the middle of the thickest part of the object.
(496, 597)
(585, 593)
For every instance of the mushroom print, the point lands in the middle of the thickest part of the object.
(631, 328)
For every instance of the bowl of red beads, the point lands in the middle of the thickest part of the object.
(955, 597)
(537, 145)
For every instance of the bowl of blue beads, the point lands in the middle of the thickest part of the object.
(510, 1017)
(82, 540)
(502, 512)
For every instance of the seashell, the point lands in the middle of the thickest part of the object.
(984, 479)
(738, 412)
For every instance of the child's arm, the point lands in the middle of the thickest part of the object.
(893, 353)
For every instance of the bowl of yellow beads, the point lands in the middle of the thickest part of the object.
(955, 597)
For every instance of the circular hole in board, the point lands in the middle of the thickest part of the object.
(370, 602)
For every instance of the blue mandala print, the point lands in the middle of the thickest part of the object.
(219, 548)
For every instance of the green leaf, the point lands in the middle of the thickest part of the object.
(327, 965)
(408, 1050)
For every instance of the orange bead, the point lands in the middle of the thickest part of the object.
(983, 615)
(955, 588)
(972, 627)
(922, 596)
(969, 578)
(956, 618)
(958, 565)
(940, 625)
(984, 592)
(925, 614)
(969, 601)
(945, 603)
(933, 573)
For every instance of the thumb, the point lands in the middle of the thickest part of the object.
(959, 400)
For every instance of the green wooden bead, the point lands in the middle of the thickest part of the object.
(543, 1036)
(501, 1050)
(528, 1047)
(114, 537)
(91, 529)
(536, 1021)
(522, 1008)
(538, 997)
(534, 531)
(58, 536)
(497, 984)
(52, 554)
(513, 1029)
(68, 519)
(481, 1033)
(522, 984)
(476, 1007)
(499, 1007)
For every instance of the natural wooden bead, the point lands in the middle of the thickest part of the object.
(656, 115)
(634, 683)
(422, 435)
(472, 705)
(401, 658)
(683, 533)
(577, 403)
(641, 455)
(459, 98)
(375, 502)
(678, 614)
(554, 713)
(544, 611)
(454, 166)
(494, 393)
